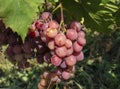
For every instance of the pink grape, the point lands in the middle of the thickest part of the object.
(53, 24)
(55, 60)
(60, 39)
(71, 34)
(81, 41)
(81, 34)
(51, 45)
(63, 65)
(65, 75)
(38, 24)
(45, 15)
(61, 51)
(51, 32)
(45, 26)
(77, 47)
(58, 80)
(68, 43)
(76, 25)
(70, 60)
(79, 56)
(69, 51)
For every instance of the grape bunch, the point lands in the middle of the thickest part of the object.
(65, 47)
(50, 41)
(18, 51)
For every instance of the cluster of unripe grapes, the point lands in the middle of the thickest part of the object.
(49, 41)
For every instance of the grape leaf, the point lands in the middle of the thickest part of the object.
(97, 16)
(19, 14)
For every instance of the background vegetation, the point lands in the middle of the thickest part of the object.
(101, 66)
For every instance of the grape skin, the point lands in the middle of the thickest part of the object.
(55, 60)
(68, 43)
(70, 60)
(65, 75)
(71, 34)
(60, 39)
(61, 51)
(51, 32)
(77, 47)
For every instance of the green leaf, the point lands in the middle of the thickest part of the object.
(105, 1)
(19, 14)
(97, 16)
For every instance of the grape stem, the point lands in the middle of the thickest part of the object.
(49, 84)
(62, 17)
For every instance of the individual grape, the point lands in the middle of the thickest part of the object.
(47, 56)
(45, 26)
(53, 77)
(39, 58)
(45, 15)
(40, 86)
(79, 56)
(81, 41)
(9, 51)
(33, 33)
(43, 82)
(69, 51)
(51, 45)
(51, 32)
(58, 80)
(27, 47)
(17, 49)
(76, 25)
(71, 34)
(77, 47)
(63, 65)
(12, 39)
(46, 74)
(70, 60)
(65, 75)
(61, 51)
(55, 60)
(38, 25)
(53, 24)
(81, 34)
(68, 43)
(60, 39)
